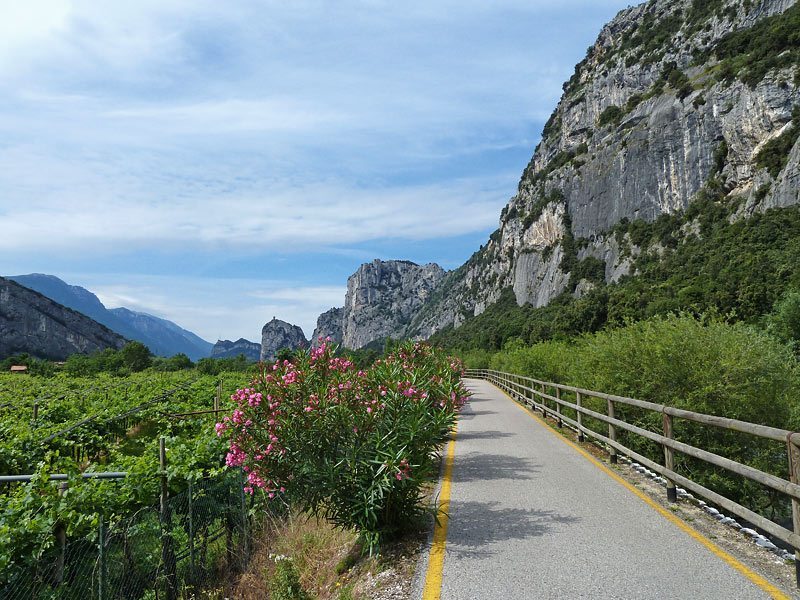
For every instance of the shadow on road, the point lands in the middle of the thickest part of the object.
(476, 525)
(484, 435)
(478, 400)
(479, 466)
(467, 415)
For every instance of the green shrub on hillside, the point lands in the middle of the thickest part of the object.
(749, 54)
(774, 155)
(612, 115)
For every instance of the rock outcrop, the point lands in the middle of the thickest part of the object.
(228, 349)
(277, 335)
(33, 323)
(382, 299)
(672, 100)
(329, 325)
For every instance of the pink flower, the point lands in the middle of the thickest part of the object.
(220, 428)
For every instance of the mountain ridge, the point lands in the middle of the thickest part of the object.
(32, 323)
(163, 337)
(675, 103)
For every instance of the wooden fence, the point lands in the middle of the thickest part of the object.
(551, 398)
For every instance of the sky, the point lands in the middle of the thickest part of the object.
(221, 163)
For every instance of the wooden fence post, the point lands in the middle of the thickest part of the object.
(167, 549)
(558, 407)
(669, 459)
(581, 437)
(544, 402)
(794, 476)
(612, 433)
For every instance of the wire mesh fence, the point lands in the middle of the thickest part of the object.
(169, 551)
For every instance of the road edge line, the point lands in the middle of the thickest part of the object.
(754, 577)
(432, 589)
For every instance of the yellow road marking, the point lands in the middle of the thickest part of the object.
(716, 550)
(433, 576)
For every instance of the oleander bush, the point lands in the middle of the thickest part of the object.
(354, 446)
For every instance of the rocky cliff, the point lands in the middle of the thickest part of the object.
(32, 323)
(329, 325)
(381, 301)
(162, 337)
(677, 101)
(229, 349)
(277, 335)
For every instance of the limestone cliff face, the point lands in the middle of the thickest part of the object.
(229, 349)
(277, 335)
(32, 323)
(383, 297)
(329, 325)
(649, 117)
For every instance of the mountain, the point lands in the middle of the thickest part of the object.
(677, 132)
(33, 323)
(164, 338)
(382, 299)
(329, 325)
(229, 349)
(277, 335)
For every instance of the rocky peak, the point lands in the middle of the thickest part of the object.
(277, 335)
(329, 325)
(229, 349)
(383, 297)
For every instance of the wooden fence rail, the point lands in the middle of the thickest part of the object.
(535, 394)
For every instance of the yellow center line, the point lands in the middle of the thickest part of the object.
(433, 576)
(716, 550)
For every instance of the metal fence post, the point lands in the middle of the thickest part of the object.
(245, 524)
(612, 433)
(794, 475)
(669, 459)
(101, 559)
(167, 550)
(581, 437)
(192, 562)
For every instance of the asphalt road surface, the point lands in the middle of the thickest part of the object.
(532, 518)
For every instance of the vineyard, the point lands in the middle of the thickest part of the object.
(152, 485)
(154, 521)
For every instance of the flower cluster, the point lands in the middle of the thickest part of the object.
(322, 431)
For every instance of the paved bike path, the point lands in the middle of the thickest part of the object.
(530, 517)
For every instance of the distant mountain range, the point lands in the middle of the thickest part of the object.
(164, 338)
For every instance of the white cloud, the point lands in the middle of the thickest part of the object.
(181, 128)
(216, 308)
(302, 219)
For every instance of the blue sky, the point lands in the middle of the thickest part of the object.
(221, 163)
